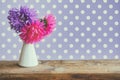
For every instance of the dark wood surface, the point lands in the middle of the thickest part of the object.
(62, 70)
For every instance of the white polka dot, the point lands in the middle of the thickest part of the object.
(43, 40)
(42, 6)
(116, 57)
(65, 17)
(105, 1)
(3, 11)
(59, 45)
(3, 23)
(93, 57)
(82, 45)
(94, 23)
(3, 57)
(110, 28)
(88, 51)
(110, 51)
(65, 29)
(71, 57)
(88, 29)
(93, 1)
(82, 12)
(88, 40)
(76, 28)
(105, 45)
(48, 11)
(105, 12)
(37, 45)
(93, 11)
(71, 34)
(116, 1)
(37, 1)
(65, 51)
(76, 17)
(99, 40)
(99, 51)
(77, 51)
(31, 6)
(70, 45)
(65, 6)
(59, 11)
(76, 6)
(82, 1)
(110, 6)
(71, 12)
(9, 51)
(71, 23)
(19, 40)
(99, 6)
(116, 23)
(14, 45)
(82, 34)
(48, 45)
(3, 34)
(110, 17)
(76, 40)
(60, 1)
(54, 51)
(105, 57)
(116, 45)
(88, 6)
(3, 45)
(99, 17)
(59, 34)
(48, 57)
(54, 6)
(105, 23)
(93, 34)
(14, 34)
(99, 28)
(8, 40)
(60, 23)
(26, 1)
(59, 57)
(116, 34)
(65, 40)
(82, 23)
(71, 1)
(42, 51)
(82, 57)
(105, 34)
(88, 17)
(3, 1)
(48, 1)
(14, 57)
(54, 40)
(93, 45)
(116, 12)
(110, 39)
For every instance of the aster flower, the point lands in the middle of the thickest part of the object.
(19, 18)
(32, 33)
(50, 23)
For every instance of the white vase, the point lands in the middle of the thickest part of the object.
(28, 56)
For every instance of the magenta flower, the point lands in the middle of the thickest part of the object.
(32, 33)
(50, 23)
(19, 18)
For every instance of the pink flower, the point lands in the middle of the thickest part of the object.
(50, 23)
(32, 33)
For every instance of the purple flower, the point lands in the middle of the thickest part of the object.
(19, 18)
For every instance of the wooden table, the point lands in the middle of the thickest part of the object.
(62, 70)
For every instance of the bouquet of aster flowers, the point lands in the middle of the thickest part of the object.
(31, 30)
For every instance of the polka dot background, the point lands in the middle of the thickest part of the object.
(86, 29)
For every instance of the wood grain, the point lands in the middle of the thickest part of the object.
(62, 70)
